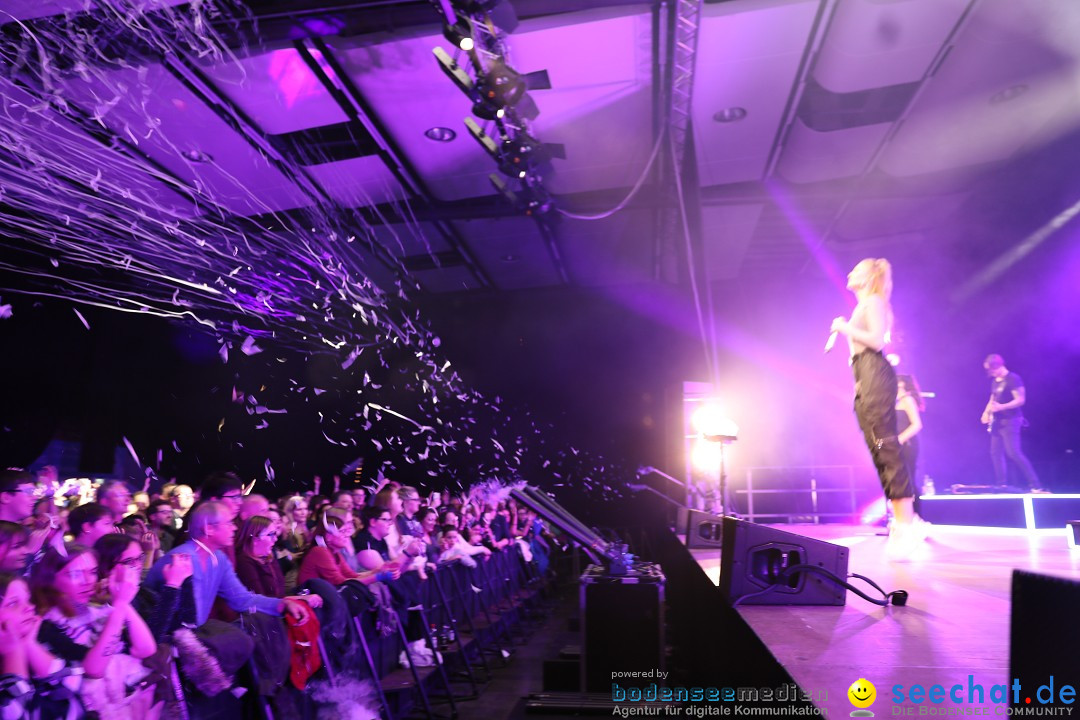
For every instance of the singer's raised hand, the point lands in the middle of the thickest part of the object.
(839, 325)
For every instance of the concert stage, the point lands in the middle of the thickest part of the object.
(956, 623)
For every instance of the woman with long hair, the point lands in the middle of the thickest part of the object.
(295, 535)
(158, 609)
(109, 641)
(325, 558)
(909, 408)
(867, 332)
(256, 565)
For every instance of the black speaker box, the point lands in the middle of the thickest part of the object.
(702, 529)
(1043, 637)
(755, 556)
(622, 629)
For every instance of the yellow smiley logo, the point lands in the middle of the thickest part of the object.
(862, 693)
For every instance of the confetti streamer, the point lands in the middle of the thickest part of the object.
(100, 223)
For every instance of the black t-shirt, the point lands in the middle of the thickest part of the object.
(364, 540)
(1002, 391)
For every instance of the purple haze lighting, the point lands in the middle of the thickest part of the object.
(815, 244)
(320, 27)
(293, 77)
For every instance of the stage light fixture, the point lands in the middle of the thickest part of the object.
(487, 110)
(461, 33)
(454, 71)
(503, 83)
(483, 138)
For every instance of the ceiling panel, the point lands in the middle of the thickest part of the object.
(410, 240)
(811, 156)
(871, 217)
(402, 82)
(873, 44)
(358, 182)
(748, 55)
(152, 108)
(277, 90)
(511, 251)
(1004, 80)
(789, 226)
(614, 251)
(98, 166)
(726, 233)
(455, 278)
(30, 9)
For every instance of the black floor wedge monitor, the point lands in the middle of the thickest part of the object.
(754, 559)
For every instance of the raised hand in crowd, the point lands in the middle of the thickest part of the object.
(177, 570)
(123, 585)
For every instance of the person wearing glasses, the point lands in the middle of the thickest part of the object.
(226, 488)
(18, 493)
(108, 641)
(211, 530)
(255, 563)
(157, 609)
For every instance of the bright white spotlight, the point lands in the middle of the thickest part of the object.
(706, 456)
(712, 424)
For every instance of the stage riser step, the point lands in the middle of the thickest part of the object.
(1030, 512)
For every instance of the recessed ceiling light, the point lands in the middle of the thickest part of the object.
(1009, 93)
(198, 156)
(440, 134)
(510, 258)
(731, 114)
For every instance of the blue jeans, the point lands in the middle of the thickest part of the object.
(1005, 446)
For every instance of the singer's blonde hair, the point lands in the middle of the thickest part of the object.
(879, 276)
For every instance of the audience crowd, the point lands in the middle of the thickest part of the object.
(132, 605)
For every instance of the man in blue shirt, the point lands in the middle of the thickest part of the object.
(211, 529)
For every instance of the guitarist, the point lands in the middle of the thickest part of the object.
(1003, 418)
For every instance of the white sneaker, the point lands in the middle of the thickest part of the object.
(421, 654)
(906, 541)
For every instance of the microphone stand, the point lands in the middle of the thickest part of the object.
(723, 440)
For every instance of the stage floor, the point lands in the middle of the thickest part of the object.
(956, 622)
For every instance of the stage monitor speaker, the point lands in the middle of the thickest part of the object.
(622, 625)
(1043, 636)
(703, 530)
(754, 556)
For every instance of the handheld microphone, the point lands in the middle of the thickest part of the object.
(831, 341)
